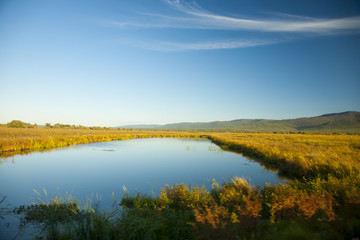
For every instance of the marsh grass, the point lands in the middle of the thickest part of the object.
(63, 217)
(235, 210)
(25, 140)
(298, 155)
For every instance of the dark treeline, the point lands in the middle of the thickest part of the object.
(20, 124)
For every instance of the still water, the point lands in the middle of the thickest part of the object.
(143, 165)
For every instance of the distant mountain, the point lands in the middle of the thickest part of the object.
(141, 126)
(333, 122)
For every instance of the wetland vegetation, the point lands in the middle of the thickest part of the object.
(322, 201)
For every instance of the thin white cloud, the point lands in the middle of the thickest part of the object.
(288, 23)
(192, 16)
(209, 45)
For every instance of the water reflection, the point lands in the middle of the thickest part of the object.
(215, 149)
(9, 154)
(143, 165)
(190, 148)
(7, 160)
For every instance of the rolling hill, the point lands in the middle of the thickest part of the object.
(348, 122)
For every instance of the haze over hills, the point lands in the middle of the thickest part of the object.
(333, 122)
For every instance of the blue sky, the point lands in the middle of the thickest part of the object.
(113, 63)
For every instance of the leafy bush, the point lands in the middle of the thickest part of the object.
(20, 124)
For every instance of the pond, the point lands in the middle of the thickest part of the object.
(143, 165)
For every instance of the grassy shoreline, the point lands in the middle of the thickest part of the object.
(294, 155)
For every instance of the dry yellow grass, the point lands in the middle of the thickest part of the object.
(294, 154)
(24, 140)
(307, 155)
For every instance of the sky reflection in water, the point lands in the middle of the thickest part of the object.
(143, 165)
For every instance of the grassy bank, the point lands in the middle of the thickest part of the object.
(234, 210)
(298, 155)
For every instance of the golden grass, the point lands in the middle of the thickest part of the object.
(22, 140)
(299, 154)
(294, 155)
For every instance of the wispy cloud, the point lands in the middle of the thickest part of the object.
(208, 45)
(286, 23)
(191, 16)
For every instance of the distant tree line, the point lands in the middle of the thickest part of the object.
(20, 124)
(68, 126)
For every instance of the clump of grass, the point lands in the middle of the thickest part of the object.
(235, 210)
(154, 223)
(64, 218)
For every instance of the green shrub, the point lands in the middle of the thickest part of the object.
(19, 124)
